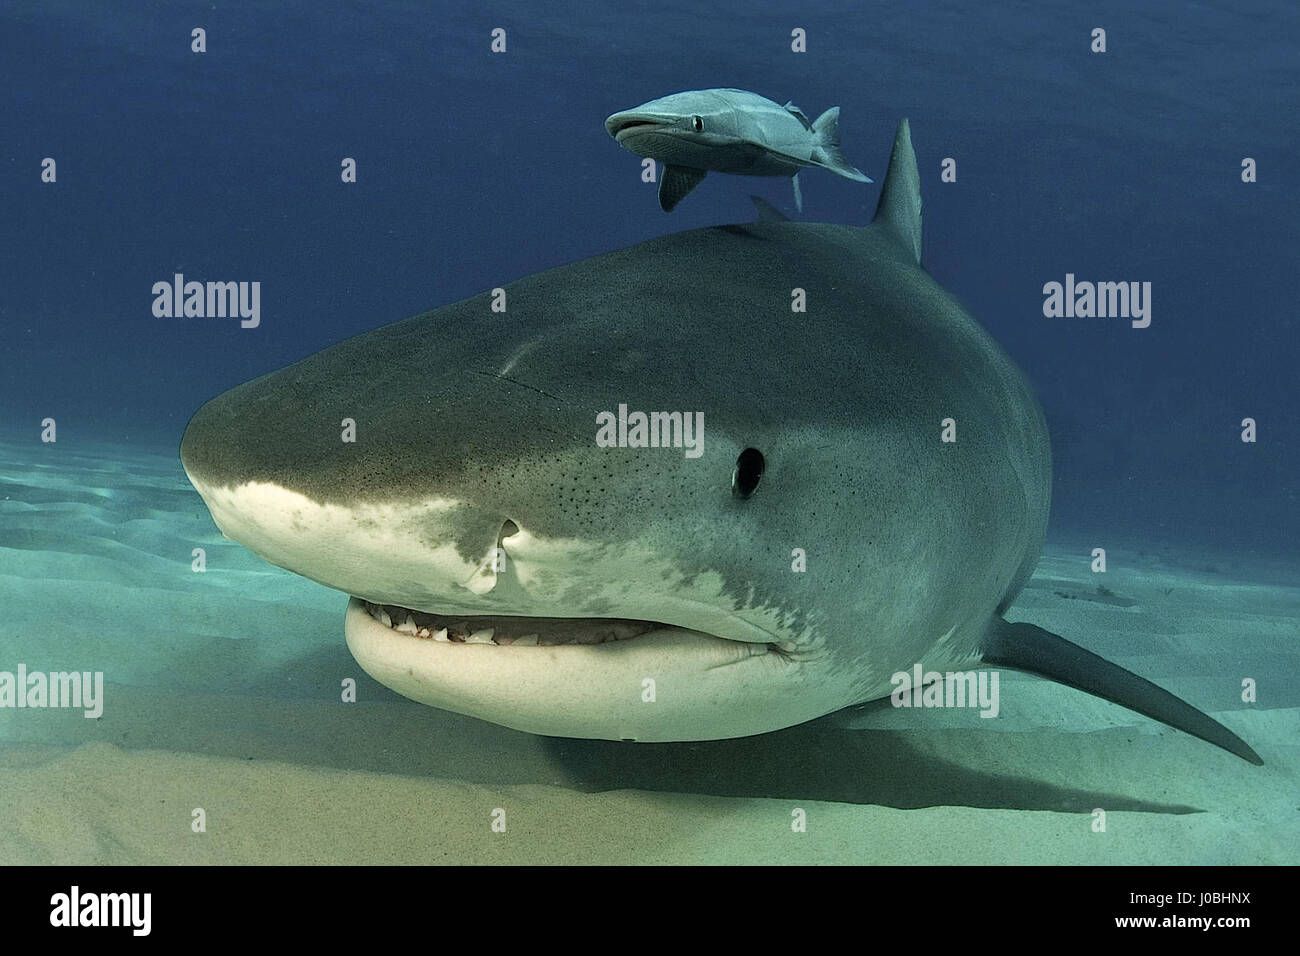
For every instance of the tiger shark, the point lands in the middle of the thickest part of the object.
(444, 471)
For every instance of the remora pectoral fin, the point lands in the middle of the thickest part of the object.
(676, 182)
(1025, 647)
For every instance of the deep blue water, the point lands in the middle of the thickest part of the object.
(475, 169)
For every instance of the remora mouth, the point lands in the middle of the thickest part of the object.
(618, 126)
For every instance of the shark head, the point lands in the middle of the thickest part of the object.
(510, 558)
(551, 584)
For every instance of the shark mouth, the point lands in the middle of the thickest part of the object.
(508, 630)
(607, 678)
(504, 631)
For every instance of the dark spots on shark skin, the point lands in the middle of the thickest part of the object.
(624, 315)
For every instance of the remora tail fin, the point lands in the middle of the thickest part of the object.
(827, 131)
(1025, 647)
(899, 209)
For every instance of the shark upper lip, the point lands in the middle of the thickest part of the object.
(508, 629)
(523, 632)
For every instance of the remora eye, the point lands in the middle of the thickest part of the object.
(749, 468)
(697, 123)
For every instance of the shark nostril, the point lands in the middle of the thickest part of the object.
(507, 529)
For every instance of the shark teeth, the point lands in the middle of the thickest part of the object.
(504, 630)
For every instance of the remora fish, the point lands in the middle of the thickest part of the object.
(729, 131)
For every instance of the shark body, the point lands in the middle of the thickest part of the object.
(504, 564)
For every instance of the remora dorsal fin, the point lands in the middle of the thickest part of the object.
(1025, 647)
(899, 209)
(799, 115)
(675, 183)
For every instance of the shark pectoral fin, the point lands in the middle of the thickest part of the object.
(767, 212)
(1025, 647)
(676, 182)
(798, 194)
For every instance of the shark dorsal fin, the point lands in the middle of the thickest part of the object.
(767, 212)
(899, 209)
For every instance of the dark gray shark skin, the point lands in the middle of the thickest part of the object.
(476, 431)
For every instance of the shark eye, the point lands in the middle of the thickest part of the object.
(749, 468)
(697, 123)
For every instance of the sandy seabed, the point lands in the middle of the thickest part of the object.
(223, 692)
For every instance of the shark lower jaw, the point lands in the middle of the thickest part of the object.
(614, 679)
